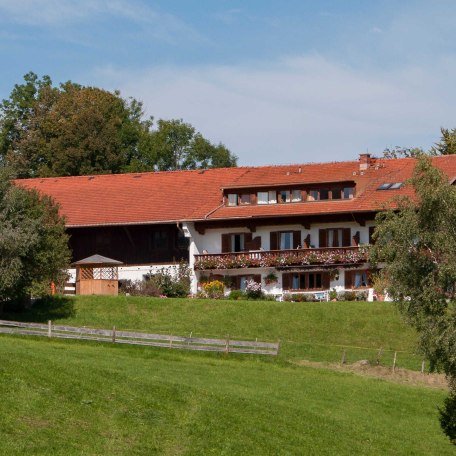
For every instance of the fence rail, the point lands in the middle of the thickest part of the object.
(134, 338)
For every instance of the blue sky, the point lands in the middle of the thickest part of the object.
(276, 81)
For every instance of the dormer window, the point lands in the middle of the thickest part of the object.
(244, 198)
(348, 192)
(296, 196)
(284, 196)
(263, 198)
(232, 199)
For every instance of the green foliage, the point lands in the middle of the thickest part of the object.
(448, 417)
(237, 295)
(75, 130)
(139, 288)
(403, 152)
(172, 283)
(418, 244)
(214, 289)
(33, 244)
(447, 143)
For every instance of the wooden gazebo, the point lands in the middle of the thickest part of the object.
(97, 275)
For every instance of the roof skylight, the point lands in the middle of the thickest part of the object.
(390, 186)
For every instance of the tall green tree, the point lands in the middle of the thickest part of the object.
(447, 143)
(72, 130)
(175, 145)
(33, 244)
(417, 244)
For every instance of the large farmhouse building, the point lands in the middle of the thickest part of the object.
(305, 226)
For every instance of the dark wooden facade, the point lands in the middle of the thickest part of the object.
(132, 245)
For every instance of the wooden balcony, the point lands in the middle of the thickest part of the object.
(282, 258)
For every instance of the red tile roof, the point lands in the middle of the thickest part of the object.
(167, 197)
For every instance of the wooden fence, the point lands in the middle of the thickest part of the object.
(133, 338)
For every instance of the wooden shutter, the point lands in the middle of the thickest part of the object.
(274, 240)
(306, 243)
(286, 281)
(325, 281)
(256, 243)
(371, 232)
(257, 278)
(348, 279)
(355, 239)
(346, 237)
(323, 235)
(236, 282)
(226, 243)
(296, 239)
(247, 241)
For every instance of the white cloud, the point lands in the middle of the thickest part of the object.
(300, 108)
(61, 13)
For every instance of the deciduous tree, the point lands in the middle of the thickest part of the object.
(33, 244)
(417, 244)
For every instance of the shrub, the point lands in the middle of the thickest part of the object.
(237, 295)
(214, 289)
(253, 290)
(448, 417)
(139, 288)
(333, 294)
(298, 297)
(173, 283)
(348, 296)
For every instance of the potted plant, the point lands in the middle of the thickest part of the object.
(271, 278)
(380, 284)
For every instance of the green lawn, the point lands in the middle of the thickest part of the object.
(313, 331)
(73, 397)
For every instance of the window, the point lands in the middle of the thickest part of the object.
(384, 186)
(303, 281)
(232, 199)
(336, 193)
(348, 192)
(262, 197)
(360, 279)
(244, 198)
(324, 194)
(335, 237)
(272, 197)
(312, 195)
(237, 242)
(396, 185)
(296, 196)
(284, 196)
(286, 240)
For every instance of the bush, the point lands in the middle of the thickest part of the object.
(298, 297)
(173, 284)
(448, 417)
(139, 288)
(214, 289)
(348, 296)
(237, 295)
(253, 290)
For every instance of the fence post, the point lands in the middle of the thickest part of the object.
(49, 328)
(227, 345)
(379, 355)
(113, 334)
(170, 341)
(394, 361)
(422, 366)
(344, 355)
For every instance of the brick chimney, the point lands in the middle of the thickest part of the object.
(364, 161)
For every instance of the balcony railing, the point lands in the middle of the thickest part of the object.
(282, 258)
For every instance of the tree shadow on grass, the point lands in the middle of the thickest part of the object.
(42, 310)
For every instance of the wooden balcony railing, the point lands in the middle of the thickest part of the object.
(282, 258)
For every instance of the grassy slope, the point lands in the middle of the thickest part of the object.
(70, 397)
(314, 331)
